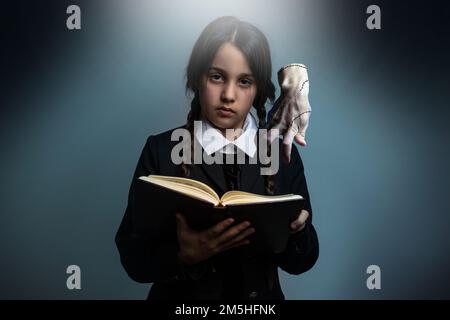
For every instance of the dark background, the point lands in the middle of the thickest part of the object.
(77, 106)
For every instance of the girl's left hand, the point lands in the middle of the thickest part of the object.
(299, 223)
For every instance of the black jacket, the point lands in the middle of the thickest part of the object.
(234, 273)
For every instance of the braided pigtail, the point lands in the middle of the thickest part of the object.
(194, 114)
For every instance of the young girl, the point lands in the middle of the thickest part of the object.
(229, 71)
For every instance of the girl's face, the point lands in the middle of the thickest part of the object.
(227, 89)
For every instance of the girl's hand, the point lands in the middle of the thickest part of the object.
(196, 246)
(299, 223)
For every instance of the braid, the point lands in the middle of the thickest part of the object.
(194, 114)
(261, 112)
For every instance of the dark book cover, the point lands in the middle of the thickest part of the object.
(155, 206)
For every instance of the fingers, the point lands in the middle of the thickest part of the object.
(287, 143)
(241, 236)
(300, 140)
(216, 230)
(221, 239)
(300, 135)
(181, 221)
(225, 237)
(238, 240)
(273, 133)
(303, 217)
(304, 122)
(287, 148)
(300, 221)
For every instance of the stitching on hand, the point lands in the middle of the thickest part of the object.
(303, 84)
(292, 122)
(293, 65)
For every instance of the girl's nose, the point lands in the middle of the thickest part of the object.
(228, 93)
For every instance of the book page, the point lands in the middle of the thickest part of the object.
(187, 181)
(186, 186)
(242, 197)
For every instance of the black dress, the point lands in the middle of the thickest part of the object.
(235, 273)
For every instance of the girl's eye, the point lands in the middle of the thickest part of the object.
(246, 82)
(215, 77)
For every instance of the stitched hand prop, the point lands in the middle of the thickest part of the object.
(290, 112)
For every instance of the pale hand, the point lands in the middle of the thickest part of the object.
(291, 111)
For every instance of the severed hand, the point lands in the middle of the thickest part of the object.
(291, 111)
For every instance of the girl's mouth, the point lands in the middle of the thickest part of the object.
(225, 112)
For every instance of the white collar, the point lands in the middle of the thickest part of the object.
(212, 140)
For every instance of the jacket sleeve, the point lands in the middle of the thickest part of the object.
(302, 250)
(144, 257)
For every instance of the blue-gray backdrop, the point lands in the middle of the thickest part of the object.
(77, 107)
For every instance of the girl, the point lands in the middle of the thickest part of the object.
(229, 71)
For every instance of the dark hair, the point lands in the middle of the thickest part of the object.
(255, 47)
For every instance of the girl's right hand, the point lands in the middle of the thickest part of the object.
(196, 246)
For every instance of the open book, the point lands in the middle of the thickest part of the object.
(156, 198)
(203, 192)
